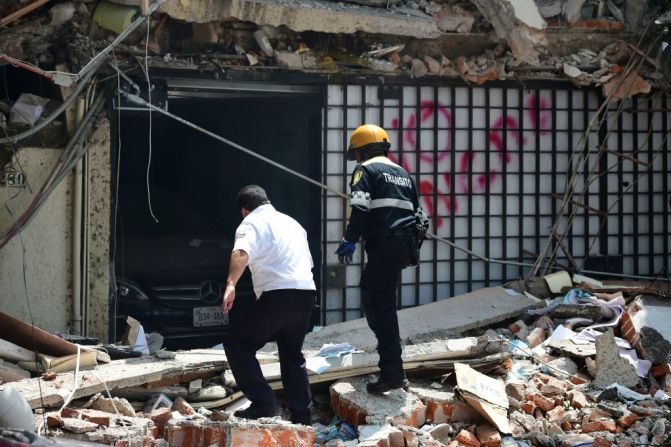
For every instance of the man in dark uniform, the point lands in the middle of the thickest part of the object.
(387, 216)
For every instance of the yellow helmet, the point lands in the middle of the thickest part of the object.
(367, 137)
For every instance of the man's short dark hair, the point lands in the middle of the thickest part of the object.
(251, 197)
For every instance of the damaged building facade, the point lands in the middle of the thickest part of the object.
(536, 132)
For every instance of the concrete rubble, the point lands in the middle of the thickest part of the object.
(504, 378)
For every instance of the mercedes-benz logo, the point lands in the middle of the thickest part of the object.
(209, 291)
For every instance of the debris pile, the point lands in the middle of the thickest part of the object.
(550, 361)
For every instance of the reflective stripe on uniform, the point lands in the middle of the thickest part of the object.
(360, 198)
(394, 203)
(420, 214)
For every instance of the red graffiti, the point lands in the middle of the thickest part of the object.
(504, 129)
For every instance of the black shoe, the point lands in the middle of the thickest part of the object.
(383, 385)
(253, 412)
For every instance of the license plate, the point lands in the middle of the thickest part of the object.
(209, 316)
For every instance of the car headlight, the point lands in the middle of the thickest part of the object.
(128, 290)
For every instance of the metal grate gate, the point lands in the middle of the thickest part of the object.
(492, 165)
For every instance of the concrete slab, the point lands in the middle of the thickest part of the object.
(443, 319)
(305, 15)
(650, 317)
(352, 403)
(610, 367)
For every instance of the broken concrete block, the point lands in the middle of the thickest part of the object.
(452, 18)
(352, 403)
(566, 311)
(536, 337)
(645, 326)
(610, 367)
(375, 435)
(549, 8)
(113, 405)
(289, 59)
(562, 367)
(432, 64)
(572, 440)
(418, 68)
(519, 329)
(77, 425)
(573, 9)
(441, 433)
(214, 392)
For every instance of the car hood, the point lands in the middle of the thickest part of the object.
(158, 256)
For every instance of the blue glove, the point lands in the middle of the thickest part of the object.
(346, 251)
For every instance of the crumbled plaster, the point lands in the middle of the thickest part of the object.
(99, 231)
(305, 15)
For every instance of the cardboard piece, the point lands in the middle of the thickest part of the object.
(485, 394)
(557, 280)
(68, 362)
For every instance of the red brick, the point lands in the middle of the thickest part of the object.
(578, 399)
(626, 421)
(161, 415)
(183, 407)
(96, 419)
(468, 438)
(566, 425)
(579, 379)
(516, 390)
(53, 420)
(410, 438)
(552, 390)
(528, 407)
(438, 412)
(536, 337)
(557, 415)
(488, 435)
(661, 370)
(545, 322)
(600, 425)
(68, 412)
(601, 442)
(543, 402)
(594, 414)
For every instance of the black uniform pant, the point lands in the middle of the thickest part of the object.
(282, 316)
(387, 256)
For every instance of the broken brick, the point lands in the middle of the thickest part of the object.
(536, 337)
(543, 402)
(556, 415)
(520, 329)
(578, 399)
(516, 390)
(161, 415)
(488, 435)
(600, 425)
(601, 442)
(528, 407)
(467, 438)
(629, 419)
(660, 370)
(183, 407)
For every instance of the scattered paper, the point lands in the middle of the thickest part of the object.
(335, 350)
(485, 394)
(317, 364)
(558, 280)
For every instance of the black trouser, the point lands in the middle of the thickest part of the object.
(282, 316)
(387, 256)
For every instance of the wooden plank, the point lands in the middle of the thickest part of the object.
(124, 373)
(15, 353)
(21, 12)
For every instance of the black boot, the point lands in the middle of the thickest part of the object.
(255, 412)
(382, 385)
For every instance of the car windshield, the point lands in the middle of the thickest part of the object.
(174, 214)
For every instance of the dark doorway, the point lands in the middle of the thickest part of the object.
(170, 271)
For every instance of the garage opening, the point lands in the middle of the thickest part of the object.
(176, 213)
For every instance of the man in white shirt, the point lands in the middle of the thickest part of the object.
(275, 248)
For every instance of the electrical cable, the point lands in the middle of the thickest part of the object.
(146, 73)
